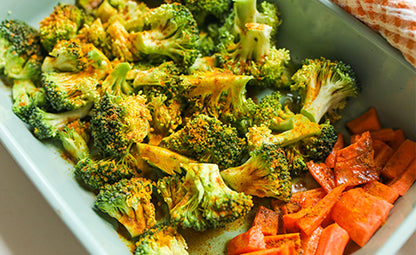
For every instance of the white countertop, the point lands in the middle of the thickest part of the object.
(28, 225)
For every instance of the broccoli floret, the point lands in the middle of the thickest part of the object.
(74, 138)
(118, 122)
(132, 15)
(295, 129)
(62, 24)
(69, 91)
(264, 174)
(115, 83)
(172, 34)
(88, 6)
(200, 199)
(161, 239)
(324, 86)
(21, 54)
(129, 201)
(96, 173)
(121, 42)
(47, 124)
(26, 96)
(96, 34)
(208, 140)
(271, 113)
(169, 162)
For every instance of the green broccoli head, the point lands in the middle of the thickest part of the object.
(118, 122)
(161, 239)
(21, 54)
(62, 24)
(25, 97)
(318, 147)
(129, 201)
(47, 124)
(96, 173)
(115, 83)
(271, 113)
(208, 140)
(172, 34)
(74, 137)
(200, 199)
(264, 174)
(96, 34)
(131, 14)
(324, 86)
(69, 91)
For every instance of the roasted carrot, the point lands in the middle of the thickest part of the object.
(322, 174)
(310, 242)
(383, 134)
(355, 163)
(399, 161)
(333, 240)
(360, 214)
(399, 138)
(279, 240)
(367, 122)
(267, 220)
(289, 221)
(382, 153)
(381, 190)
(285, 249)
(339, 144)
(317, 214)
(403, 183)
(251, 240)
(303, 199)
(354, 138)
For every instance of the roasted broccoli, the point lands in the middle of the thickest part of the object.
(208, 140)
(264, 174)
(47, 124)
(161, 239)
(324, 86)
(62, 24)
(129, 201)
(200, 199)
(172, 34)
(21, 54)
(115, 83)
(25, 97)
(75, 137)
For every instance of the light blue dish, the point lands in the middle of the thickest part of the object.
(310, 29)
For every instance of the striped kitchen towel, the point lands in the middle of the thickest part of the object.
(393, 19)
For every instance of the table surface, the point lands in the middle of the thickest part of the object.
(28, 225)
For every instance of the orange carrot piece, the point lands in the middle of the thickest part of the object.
(381, 190)
(399, 138)
(354, 138)
(339, 144)
(399, 161)
(406, 180)
(267, 220)
(322, 174)
(382, 153)
(279, 240)
(333, 240)
(285, 249)
(289, 221)
(384, 134)
(355, 163)
(310, 242)
(251, 240)
(303, 199)
(360, 214)
(367, 122)
(318, 213)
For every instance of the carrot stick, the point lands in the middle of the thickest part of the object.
(251, 240)
(333, 240)
(382, 153)
(355, 163)
(339, 144)
(310, 242)
(322, 174)
(354, 138)
(303, 199)
(406, 180)
(315, 215)
(285, 249)
(289, 221)
(399, 161)
(367, 122)
(399, 138)
(279, 240)
(381, 190)
(384, 134)
(267, 220)
(360, 213)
